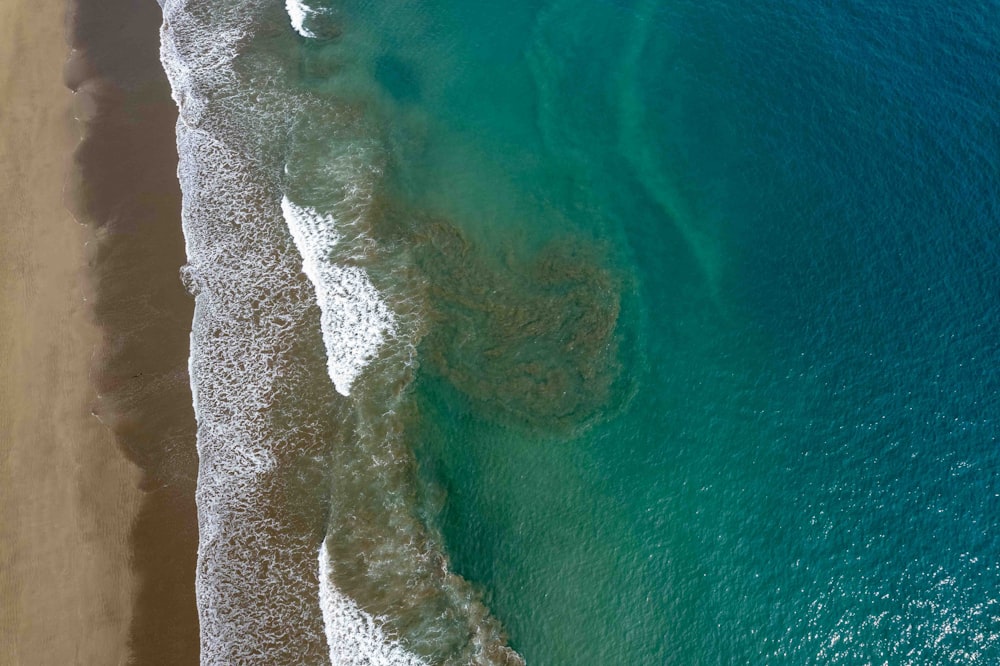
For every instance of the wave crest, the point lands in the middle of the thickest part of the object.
(355, 319)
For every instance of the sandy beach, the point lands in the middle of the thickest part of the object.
(67, 495)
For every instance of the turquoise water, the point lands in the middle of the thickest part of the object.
(805, 201)
(697, 304)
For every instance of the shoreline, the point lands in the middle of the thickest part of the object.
(127, 191)
(67, 496)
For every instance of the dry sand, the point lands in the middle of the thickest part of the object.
(67, 495)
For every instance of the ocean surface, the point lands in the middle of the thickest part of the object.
(593, 332)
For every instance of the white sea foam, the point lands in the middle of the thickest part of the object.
(256, 584)
(244, 584)
(354, 636)
(195, 66)
(259, 598)
(298, 12)
(355, 319)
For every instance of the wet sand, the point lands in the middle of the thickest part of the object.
(127, 191)
(98, 533)
(67, 495)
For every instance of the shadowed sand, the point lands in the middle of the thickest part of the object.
(67, 495)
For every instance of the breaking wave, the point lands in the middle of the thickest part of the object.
(354, 636)
(302, 344)
(355, 319)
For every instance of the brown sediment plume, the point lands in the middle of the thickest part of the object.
(126, 189)
(534, 340)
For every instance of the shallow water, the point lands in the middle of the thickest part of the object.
(629, 332)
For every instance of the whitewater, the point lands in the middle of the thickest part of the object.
(278, 244)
